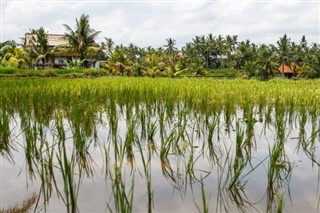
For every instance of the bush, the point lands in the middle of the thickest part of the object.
(95, 73)
(8, 70)
(49, 73)
(73, 75)
(69, 71)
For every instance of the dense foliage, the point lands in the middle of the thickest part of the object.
(198, 57)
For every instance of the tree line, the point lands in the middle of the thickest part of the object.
(199, 57)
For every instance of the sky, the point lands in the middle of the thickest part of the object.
(150, 23)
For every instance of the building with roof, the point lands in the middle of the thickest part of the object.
(62, 52)
(288, 71)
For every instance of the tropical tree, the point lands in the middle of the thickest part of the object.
(109, 45)
(7, 47)
(197, 68)
(170, 47)
(119, 63)
(265, 62)
(83, 37)
(16, 58)
(311, 65)
(284, 54)
(38, 47)
(173, 70)
(231, 42)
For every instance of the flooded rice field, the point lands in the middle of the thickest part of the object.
(145, 145)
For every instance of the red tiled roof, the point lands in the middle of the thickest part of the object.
(286, 69)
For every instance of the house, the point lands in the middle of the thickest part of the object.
(61, 53)
(288, 71)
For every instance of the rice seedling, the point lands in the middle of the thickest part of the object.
(146, 163)
(5, 147)
(279, 173)
(205, 205)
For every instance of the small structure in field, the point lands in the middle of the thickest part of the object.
(289, 71)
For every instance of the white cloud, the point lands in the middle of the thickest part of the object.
(150, 23)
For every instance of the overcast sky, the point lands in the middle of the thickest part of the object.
(150, 22)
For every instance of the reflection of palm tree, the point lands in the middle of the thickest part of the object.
(82, 37)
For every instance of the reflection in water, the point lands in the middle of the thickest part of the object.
(25, 206)
(210, 159)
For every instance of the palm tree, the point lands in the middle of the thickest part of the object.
(151, 71)
(265, 62)
(83, 37)
(231, 42)
(197, 68)
(39, 48)
(311, 65)
(108, 45)
(173, 70)
(170, 47)
(283, 51)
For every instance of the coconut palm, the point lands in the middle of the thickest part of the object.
(109, 45)
(197, 68)
(170, 47)
(151, 71)
(38, 46)
(119, 63)
(283, 51)
(266, 62)
(311, 66)
(173, 70)
(231, 42)
(83, 37)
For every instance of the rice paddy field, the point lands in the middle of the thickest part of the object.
(117, 144)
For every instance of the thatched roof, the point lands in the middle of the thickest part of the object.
(53, 39)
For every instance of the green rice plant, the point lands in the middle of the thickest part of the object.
(279, 173)
(302, 123)
(280, 124)
(152, 128)
(123, 200)
(146, 163)
(211, 127)
(130, 141)
(5, 146)
(67, 167)
(205, 205)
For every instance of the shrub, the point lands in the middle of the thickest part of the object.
(8, 70)
(95, 73)
(49, 73)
